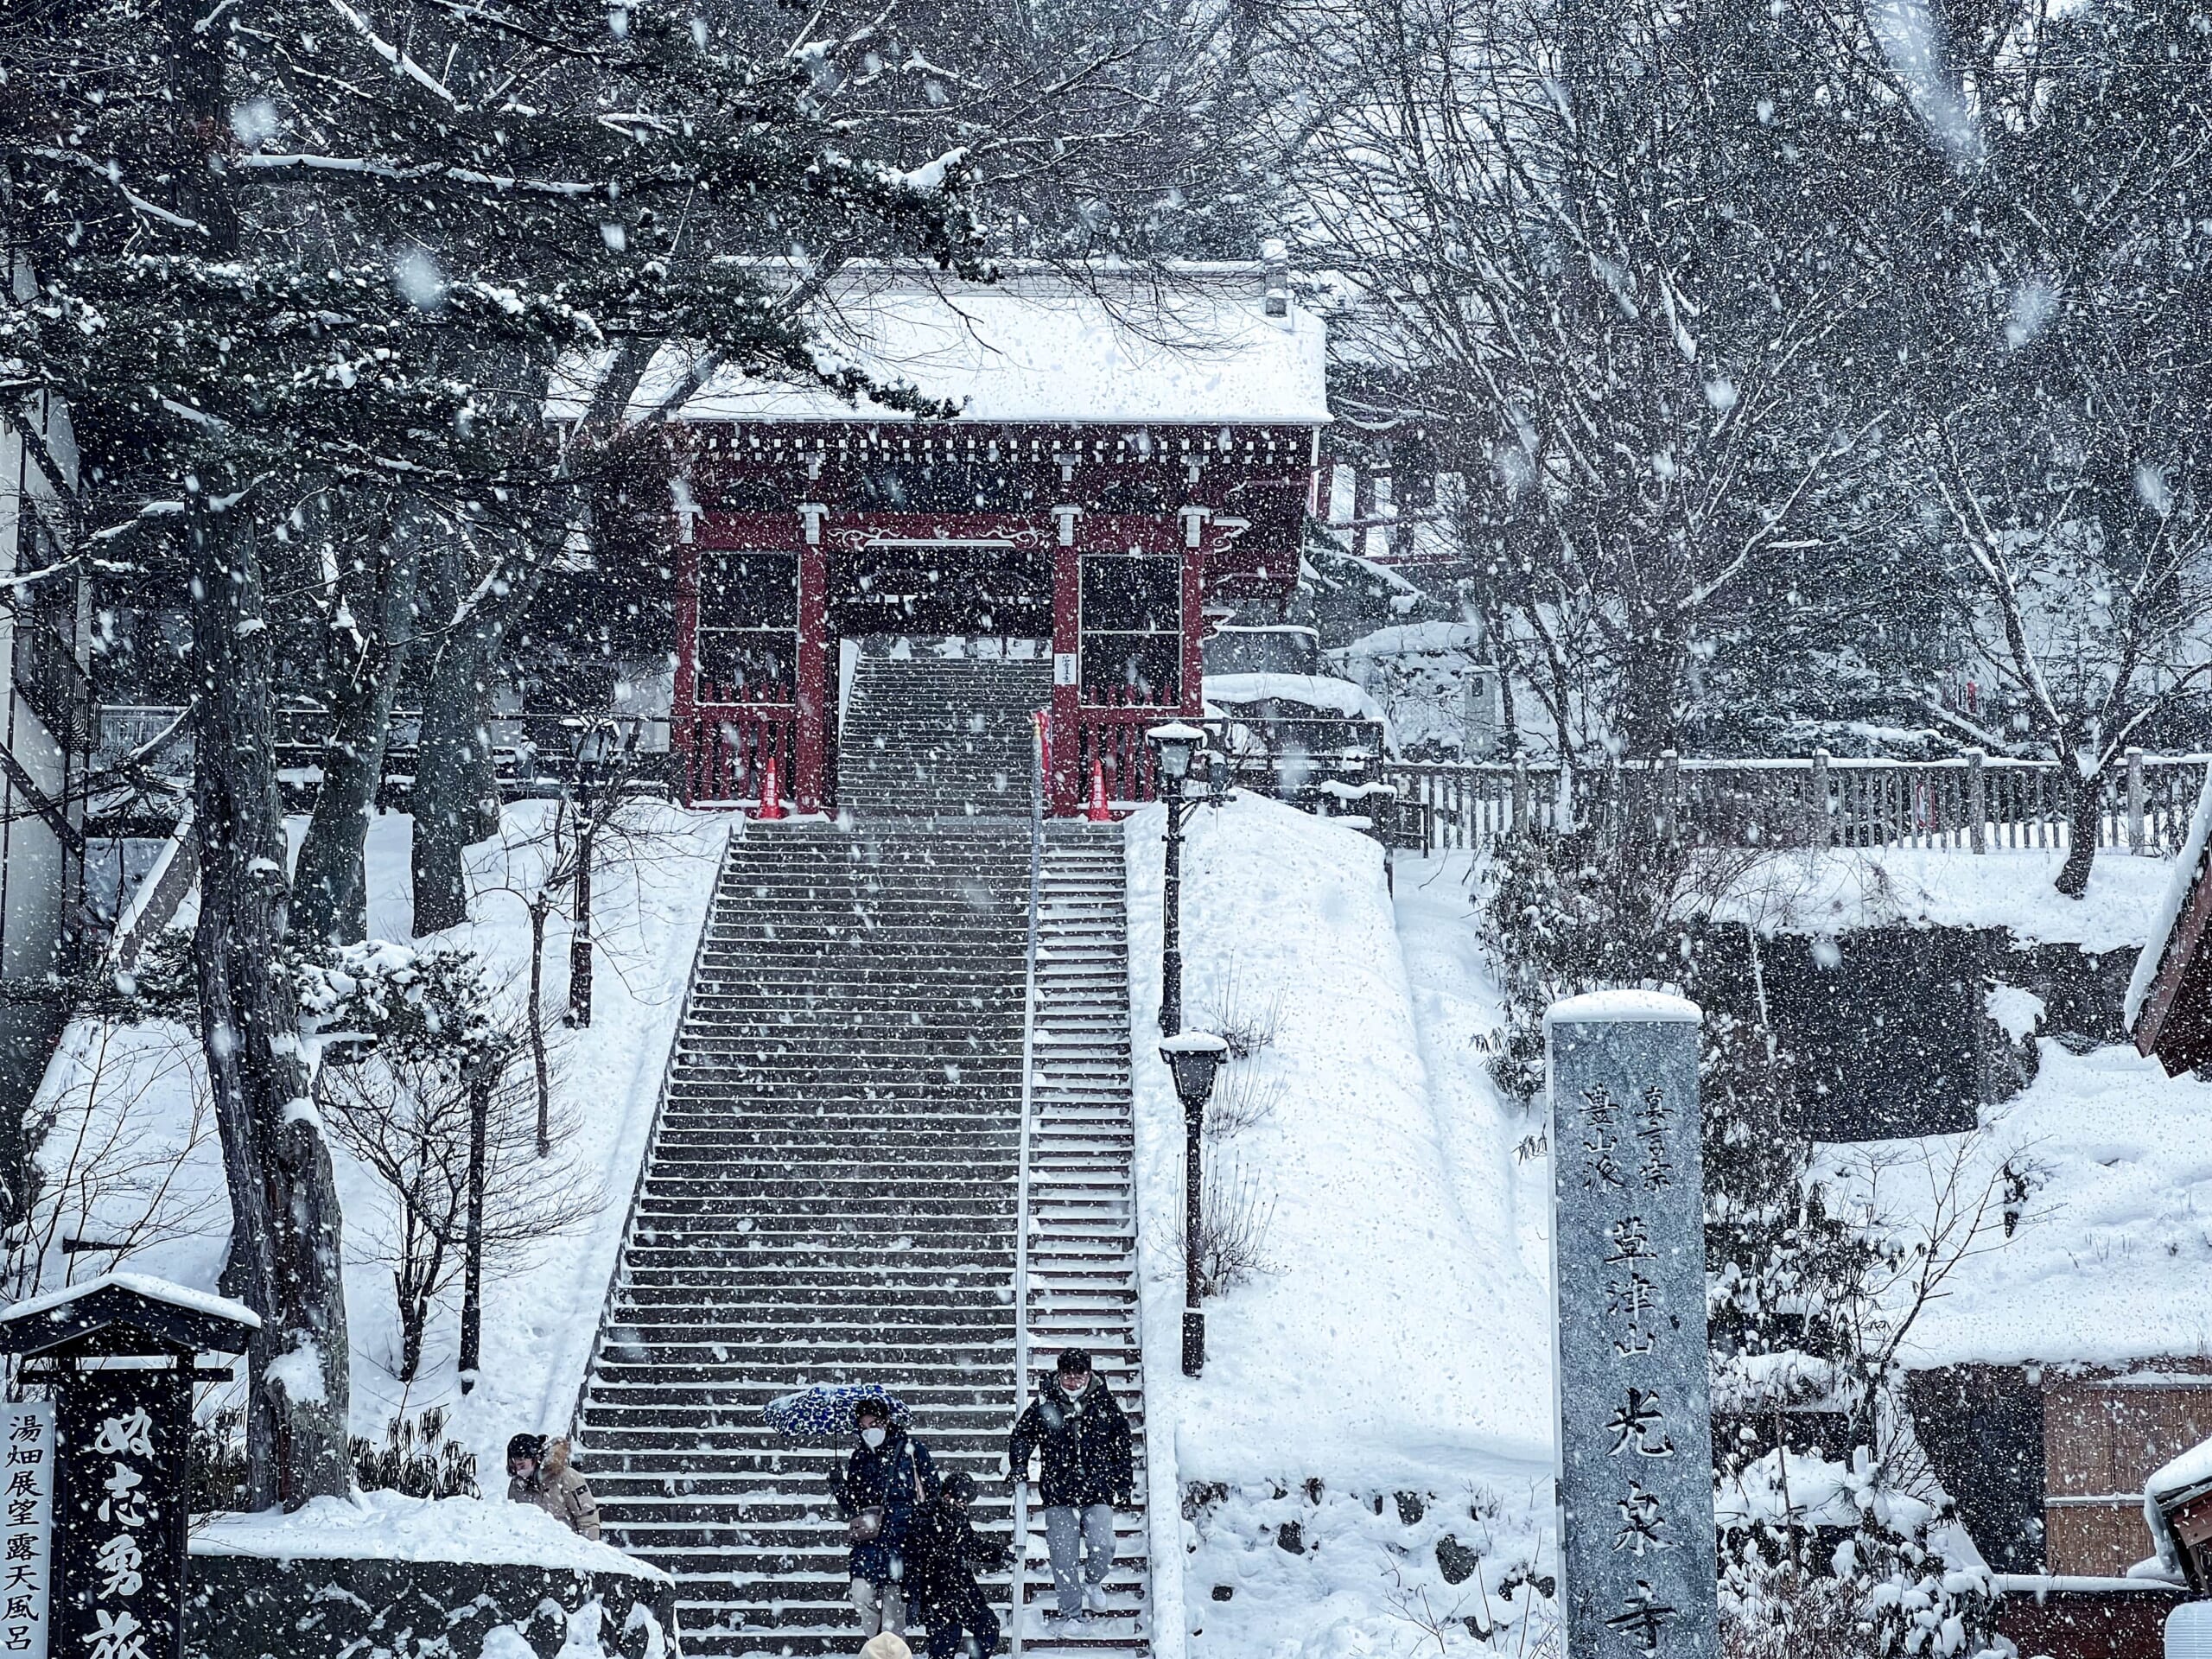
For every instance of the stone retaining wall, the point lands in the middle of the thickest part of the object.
(248, 1607)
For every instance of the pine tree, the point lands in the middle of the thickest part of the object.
(289, 254)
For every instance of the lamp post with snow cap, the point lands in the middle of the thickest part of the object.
(1173, 746)
(1194, 1058)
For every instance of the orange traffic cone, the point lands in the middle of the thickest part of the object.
(1099, 812)
(771, 800)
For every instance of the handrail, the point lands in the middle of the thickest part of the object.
(1019, 1591)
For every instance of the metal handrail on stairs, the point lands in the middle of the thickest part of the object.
(1018, 1592)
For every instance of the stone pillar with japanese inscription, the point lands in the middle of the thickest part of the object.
(1631, 1383)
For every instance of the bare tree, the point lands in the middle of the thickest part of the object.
(406, 1115)
(1584, 253)
(539, 858)
(2094, 624)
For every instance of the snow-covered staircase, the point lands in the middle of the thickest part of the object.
(939, 737)
(1083, 1282)
(831, 1191)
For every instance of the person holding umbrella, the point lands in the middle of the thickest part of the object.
(888, 1477)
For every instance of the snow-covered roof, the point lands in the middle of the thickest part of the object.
(1037, 348)
(156, 1290)
(171, 1317)
(1228, 691)
(2187, 870)
(1414, 638)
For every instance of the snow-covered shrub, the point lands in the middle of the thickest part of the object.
(1243, 1098)
(1246, 1018)
(1314, 1571)
(1234, 1214)
(415, 1459)
(1564, 916)
(1825, 1558)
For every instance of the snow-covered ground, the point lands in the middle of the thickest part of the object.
(1815, 892)
(2109, 1259)
(134, 1157)
(1397, 1338)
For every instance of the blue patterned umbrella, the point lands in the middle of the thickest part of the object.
(826, 1409)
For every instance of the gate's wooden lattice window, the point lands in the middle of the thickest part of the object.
(1132, 616)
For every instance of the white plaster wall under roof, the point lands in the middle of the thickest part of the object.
(1192, 345)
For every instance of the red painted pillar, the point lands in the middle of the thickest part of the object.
(684, 708)
(1066, 783)
(1193, 625)
(814, 690)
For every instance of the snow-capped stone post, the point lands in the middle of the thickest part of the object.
(120, 1354)
(1633, 1396)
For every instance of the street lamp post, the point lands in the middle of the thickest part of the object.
(1193, 1056)
(1173, 747)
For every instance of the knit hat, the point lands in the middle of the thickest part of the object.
(527, 1446)
(1074, 1363)
(959, 1487)
(871, 1405)
(886, 1646)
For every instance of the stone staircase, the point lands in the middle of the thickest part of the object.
(1082, 1284)
(932, 737)
(831, 1191)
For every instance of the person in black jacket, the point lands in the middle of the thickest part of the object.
(1083, 1442)
(890, 1473)
(943, 1554)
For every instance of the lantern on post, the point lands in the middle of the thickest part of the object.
(1174, 746)
(1193, 1058)
(120, 1355)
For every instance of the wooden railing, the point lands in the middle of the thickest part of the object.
(1971, 803)
(1113, 740)
(1265, 756)
(722, 758)
(530, 750)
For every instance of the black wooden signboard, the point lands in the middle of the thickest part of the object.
(120, 1355)
(121, 1503)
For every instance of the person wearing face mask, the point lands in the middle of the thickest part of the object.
(887, 1477)
(1081, 1438)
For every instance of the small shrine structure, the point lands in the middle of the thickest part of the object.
(1134, 453)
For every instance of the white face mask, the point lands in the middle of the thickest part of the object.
(1074, 1389)
(873, 1437)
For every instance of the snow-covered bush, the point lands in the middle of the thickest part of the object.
(415, 1459)
(1836, 1559)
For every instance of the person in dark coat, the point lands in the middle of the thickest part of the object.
(890, 1471)
(1081, 1440)
(943, 1554)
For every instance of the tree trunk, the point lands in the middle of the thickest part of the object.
(537, 1015)
(413, 1314)
(452, 769)
(1650, 715)
(330, 887)
(456, 798)
(285, 1223)
(2085, 810)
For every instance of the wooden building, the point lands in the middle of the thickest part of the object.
(2169, 1011)
(1130, 459)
